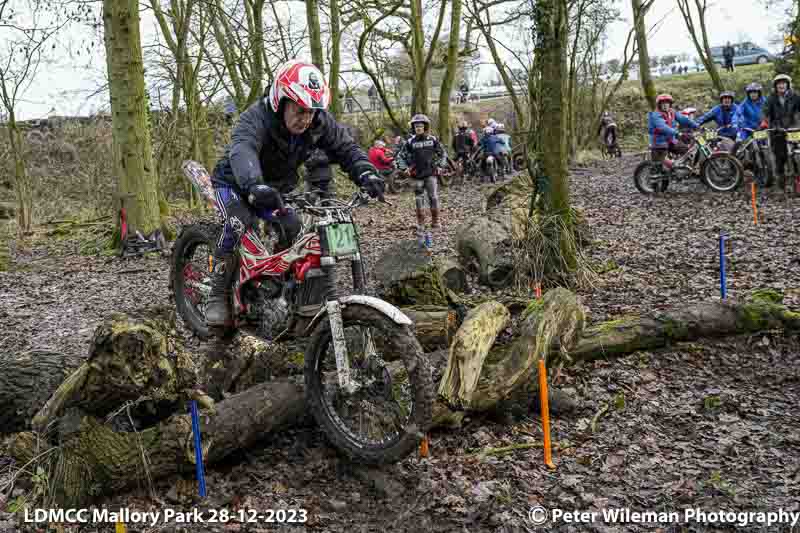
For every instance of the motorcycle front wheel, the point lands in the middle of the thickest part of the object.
(722, 172)
(384, 420)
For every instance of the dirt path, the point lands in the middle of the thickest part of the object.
(711, 425)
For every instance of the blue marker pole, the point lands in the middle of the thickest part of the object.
(198, 449)
(722, 289)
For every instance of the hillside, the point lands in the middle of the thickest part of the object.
(630, 109)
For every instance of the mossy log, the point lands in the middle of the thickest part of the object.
(132, 359)
(469, 349)
(704, 320)
(551, 328)
(95, 459)
(434, 326)
(27, 380)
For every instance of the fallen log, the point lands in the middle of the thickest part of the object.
(469, 349)
(132, 359)
(93, 457)
(551, 329)
(27, 380)
(434, 326)
(478, 375)
(704, 320)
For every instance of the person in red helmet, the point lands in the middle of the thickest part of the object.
(270, 141)
(663, 126)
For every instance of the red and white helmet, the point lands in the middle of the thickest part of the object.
(302, 83)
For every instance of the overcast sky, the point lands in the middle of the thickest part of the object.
(67, 82)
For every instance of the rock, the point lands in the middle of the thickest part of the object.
(454, 275)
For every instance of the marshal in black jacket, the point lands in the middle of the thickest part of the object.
(263, 151)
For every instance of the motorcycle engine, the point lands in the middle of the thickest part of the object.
(681, 172)
(270, 307)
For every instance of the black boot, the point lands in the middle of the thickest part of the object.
(218, 309)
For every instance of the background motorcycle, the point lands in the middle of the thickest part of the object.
(718, 170)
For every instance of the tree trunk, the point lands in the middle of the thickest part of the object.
(405, 276)
(450, 72)
(22, 185)
(138, 180)
(336, 61)
(315, 34)
(648, 86)
(420, 100)
(133, 358)
(553, 188)
(7, 213)
(480, 242)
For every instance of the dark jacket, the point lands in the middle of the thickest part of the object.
(786, 115)
(424, 152)
(318, 167)
(462, 142)
(263, 151)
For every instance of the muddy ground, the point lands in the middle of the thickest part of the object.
(711, 425)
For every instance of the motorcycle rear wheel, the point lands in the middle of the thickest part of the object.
(190, 239)
(395, 340)
(643, 181)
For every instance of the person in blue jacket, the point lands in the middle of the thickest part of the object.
(490, 143)
(748, 114)
(663, 128)
(722, 115)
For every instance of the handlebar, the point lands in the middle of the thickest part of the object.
(302, 203)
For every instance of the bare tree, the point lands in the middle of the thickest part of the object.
(450, 73)
(700, 40)
(639, 11)
(28, 32)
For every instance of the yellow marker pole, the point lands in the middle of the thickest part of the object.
(120, 528)
(210, 263)
(548, 458)
(755, 208)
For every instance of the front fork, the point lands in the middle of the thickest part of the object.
(334, 310)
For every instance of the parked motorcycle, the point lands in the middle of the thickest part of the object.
(718, 170)
(367, 382)
(755, 152)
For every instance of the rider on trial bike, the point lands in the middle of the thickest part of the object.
(662, 126)
(272, 138)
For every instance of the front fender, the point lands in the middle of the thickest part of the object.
(384, 307)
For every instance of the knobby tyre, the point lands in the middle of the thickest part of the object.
(398, 343)
(193, 237)
(643, 178)
(722, 172)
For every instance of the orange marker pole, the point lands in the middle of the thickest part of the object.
(755, 208)
(423, 447)
(548, 458)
